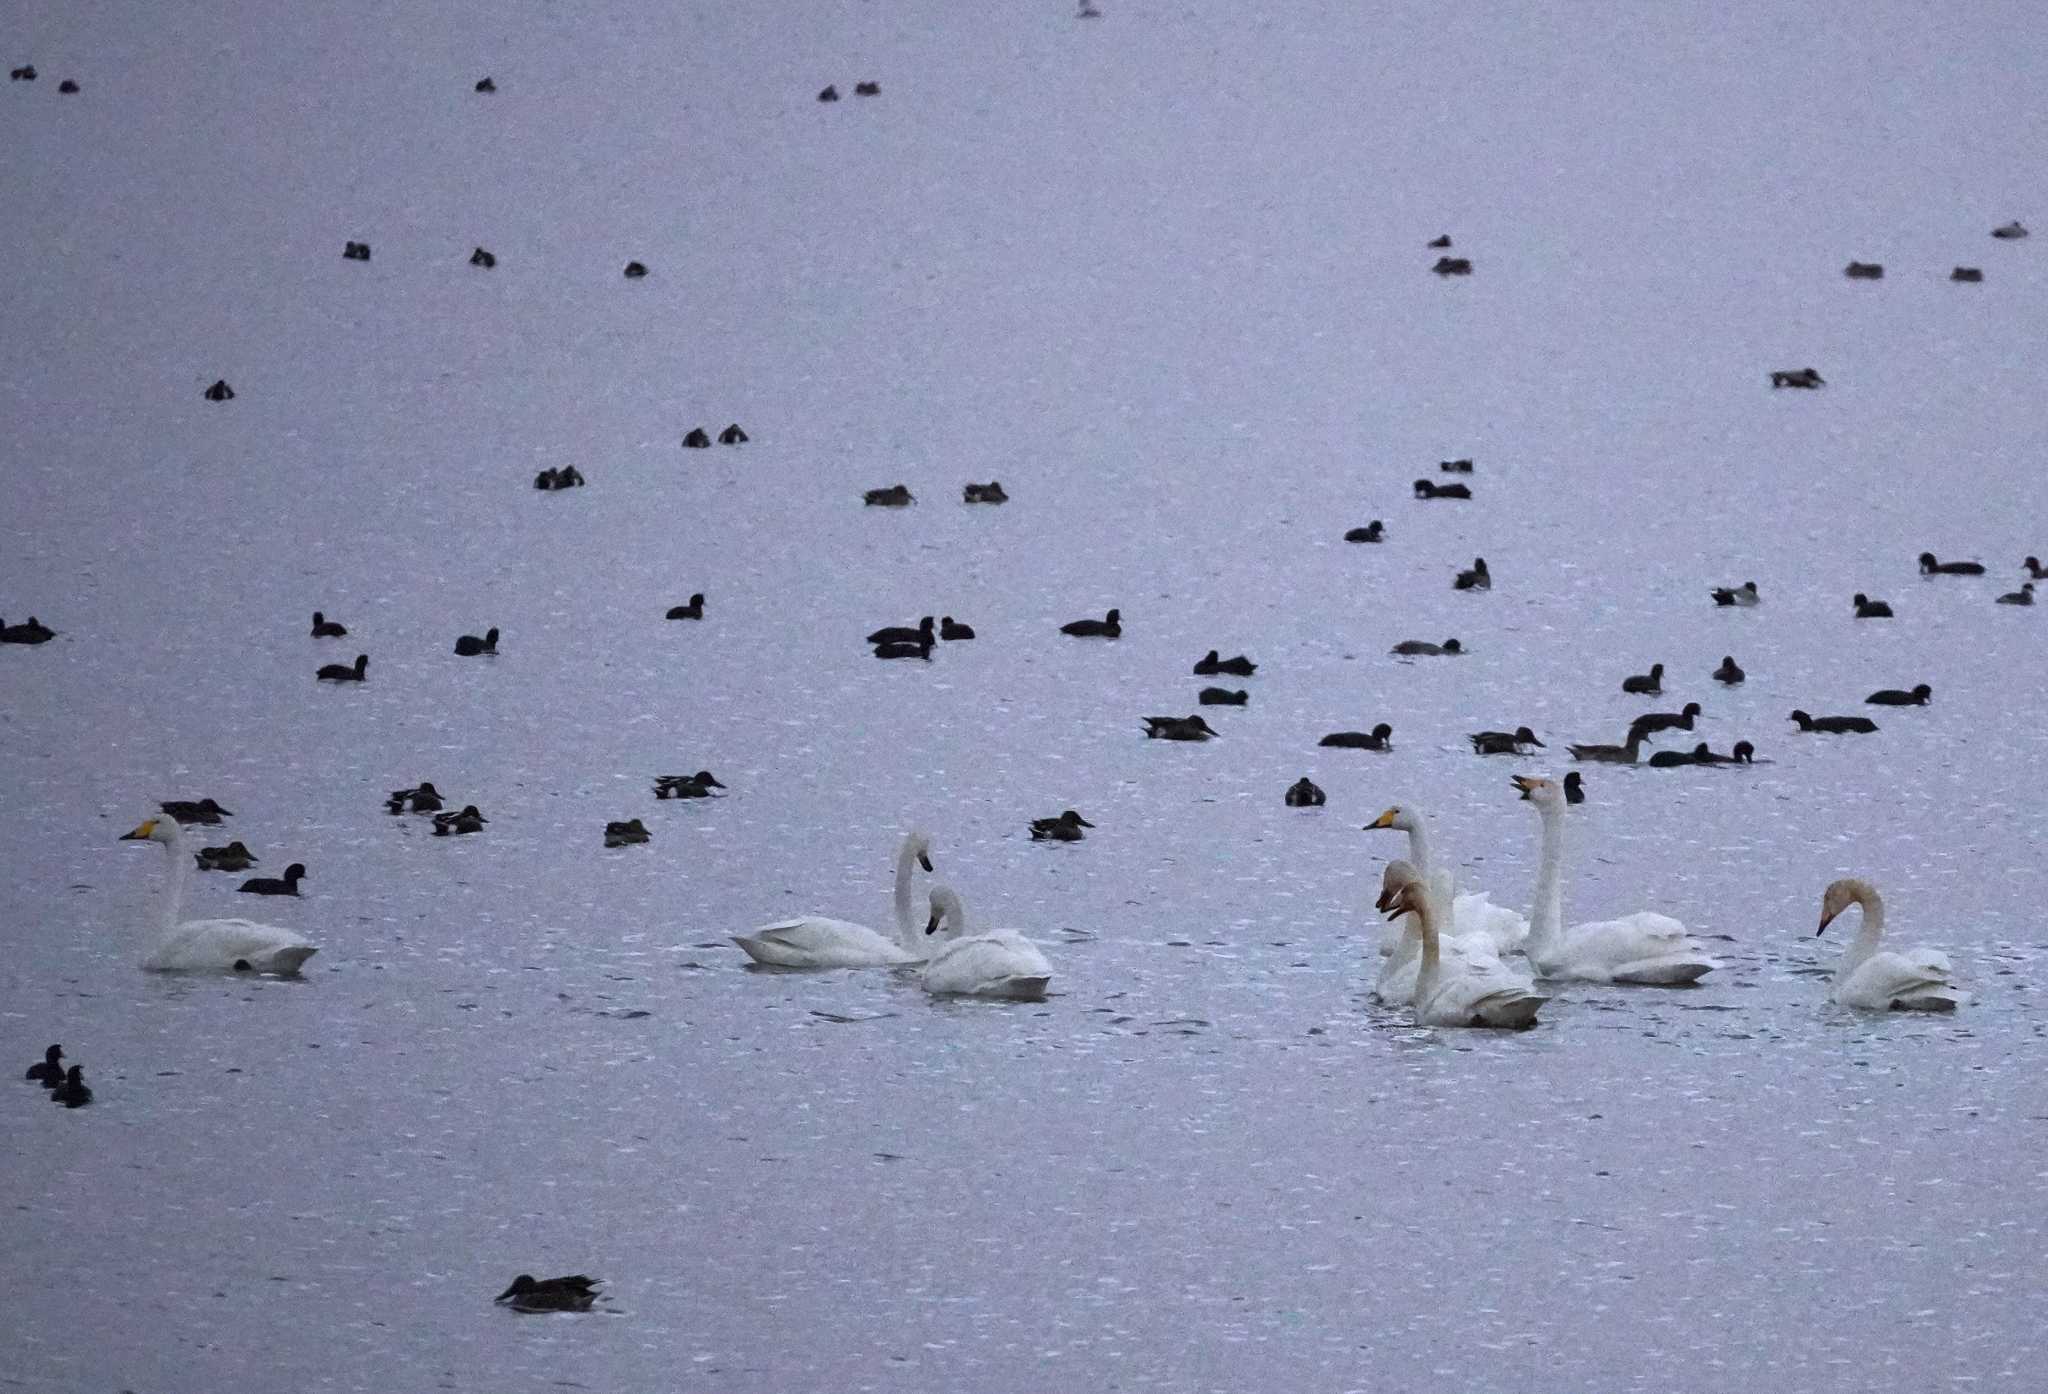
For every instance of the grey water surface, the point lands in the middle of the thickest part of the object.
(1163, 274)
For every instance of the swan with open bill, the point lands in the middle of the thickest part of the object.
(1471, 915)
(1454, 991)
(1645, 948)
(1878, 979)
(1741, 596)
(209, 945)
(1401, 948)
(527, 1293)
(994, 963)
(817, 941)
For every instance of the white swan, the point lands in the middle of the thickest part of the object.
(1463, 997)
(1471, 915)
(211, 945)
(995, 963)
(816, 941)
(1401, 965)
(1881, 979)
(1644, 948)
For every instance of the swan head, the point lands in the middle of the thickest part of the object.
(1398, 817)
(1399, 874)
(1406, 898)
(1544, 793)
(918, 845)
(164, 830)
(946, 910)
(1840, 895)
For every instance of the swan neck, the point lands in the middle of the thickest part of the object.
(1546, 915)
(906, 863)
(1432, 953)
(1868, 937)
(174, 885)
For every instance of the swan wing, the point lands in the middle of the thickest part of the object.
(1475, 916)
(1001, 963)
(1395, 985)
(1492, 996)
(1645, 947)
(817, 941)
(1914, 981)
(218, 945)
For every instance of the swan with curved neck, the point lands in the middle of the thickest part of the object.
(1645, 948)
(818, 941)
(1489, 996)
(1401, 958)
(231, 945)
(994, 963)
(1878, 979)
(1472, 916)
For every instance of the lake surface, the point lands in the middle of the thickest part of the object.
(1162, 273)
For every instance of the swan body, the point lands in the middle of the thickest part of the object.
(995, 963)
(818, 941)
(1484, 993)
(1645, 948)
(1876, 979)
(198, 946)
(1401, 968)
(1470, 916)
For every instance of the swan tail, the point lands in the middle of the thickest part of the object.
(1508, 1011)
(1939, 998)
(285, 961)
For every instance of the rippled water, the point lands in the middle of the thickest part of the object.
(1162, 274)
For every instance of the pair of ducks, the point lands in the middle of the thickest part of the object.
(66, 1087)
(459, 822)
(1212, 663)
(630, 833)
(421, 798)
(567, 477)
(920, 635)
(699, 439)
(991, 492)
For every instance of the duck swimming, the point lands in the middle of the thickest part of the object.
(692, 611)
(1110, 626)
(1744, 754)
(1652, 722)
(920, 648)
(1868, 609)
(73, 1092)
(895, 496)
(424, 798)
(1730, 672)
(1474, 578)
(1740, 596)
(991, 492)
(202, 811)
(1429, 489)
(1892, 697)
(469, 645)
(630, 833)
(1379, 738)
(1412, 647)
(686, 786)
(1835, 725)
(1931, 567)
(1303, 793)
(288, 884)
(459, 823)
(733, 435)
(325, 628)
(1504, 742)
(573, 1293)
(337, 672)
(48, 1071)
(1177, 728)
(1650, 684)
(233, 857)
(1624, 754)
(1064, 828)
(1375, 531)
(1797, 377)
(1240, 666)
(2023, 596)
(1223, 697)
(903, 634)
(952, 630)
(33, 631)
(697, 439)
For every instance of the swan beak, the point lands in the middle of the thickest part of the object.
(931, 926)
(924, 859)
(1524, 783)
(141, 834)
(1385, 820)
(1825, 921)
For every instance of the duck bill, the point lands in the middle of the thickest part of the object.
(1084, 822)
